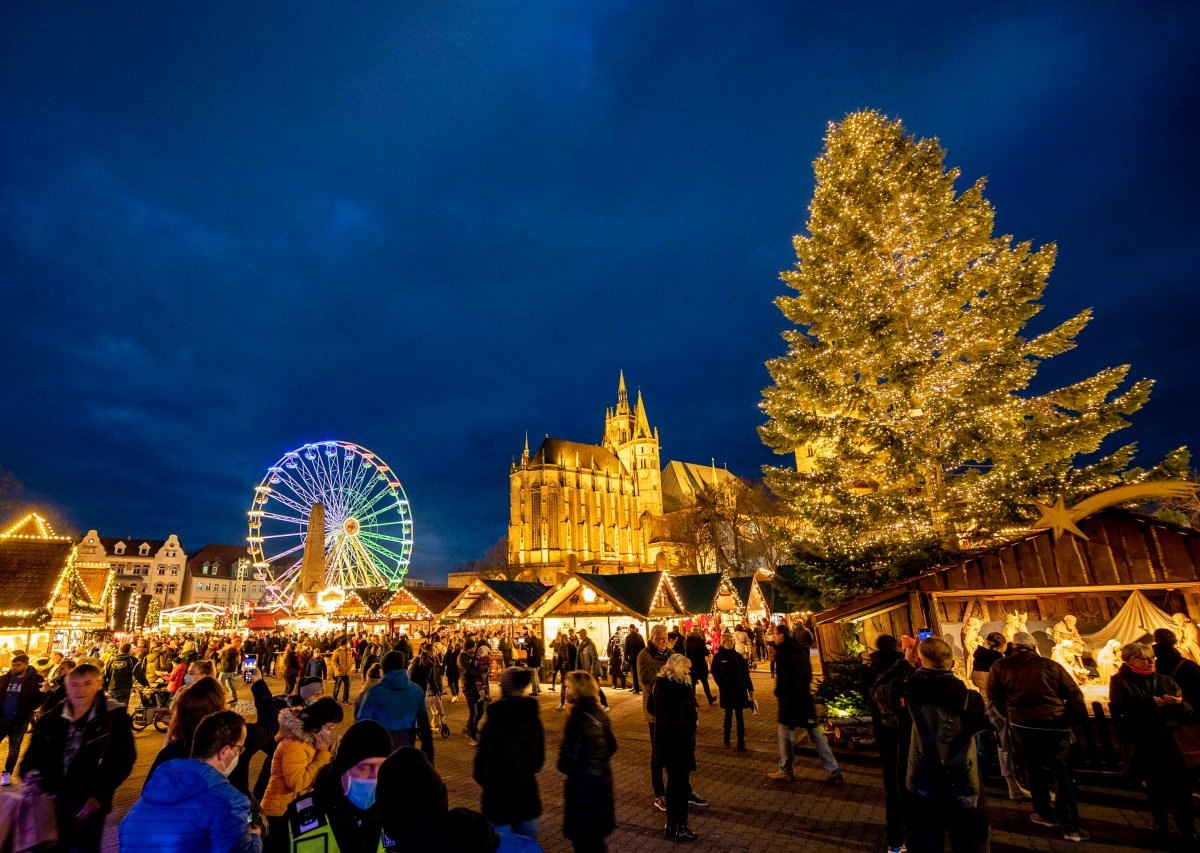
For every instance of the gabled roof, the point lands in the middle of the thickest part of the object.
(94, 580)
(683, 481)
(633, 592)
(434, 598)
(555, 451)
(521, 596)
(29, 570)
(697, 593)
(743, 587)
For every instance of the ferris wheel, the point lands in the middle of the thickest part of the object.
(367, 520)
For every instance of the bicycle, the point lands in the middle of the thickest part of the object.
(153, 707)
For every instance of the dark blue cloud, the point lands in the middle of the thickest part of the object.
(431, 228)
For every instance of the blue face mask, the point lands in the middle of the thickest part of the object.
(361, 792)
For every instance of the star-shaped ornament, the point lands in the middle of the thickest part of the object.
(1058, 518)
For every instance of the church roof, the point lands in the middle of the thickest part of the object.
(682, 481)
(555, 451)
(697, 593)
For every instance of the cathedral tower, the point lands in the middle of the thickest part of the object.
(627, 433)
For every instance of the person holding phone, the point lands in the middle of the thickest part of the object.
(1147, 708)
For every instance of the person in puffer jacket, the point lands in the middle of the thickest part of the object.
(398, 705)
(188, 805)
(306, 741)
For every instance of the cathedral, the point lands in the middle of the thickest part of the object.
(600, 508)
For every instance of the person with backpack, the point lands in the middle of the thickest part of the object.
(942, 792)
(118, 676)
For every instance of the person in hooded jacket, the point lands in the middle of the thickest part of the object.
(512, 749)
(584, 757)
(675, 718)
(189, 806)
(413, 802)
(398, 705)
(891, 741)
(305, 745)
(341, 812)
(20, 696)
(118, 677)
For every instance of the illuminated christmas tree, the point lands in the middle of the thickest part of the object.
(904, 393)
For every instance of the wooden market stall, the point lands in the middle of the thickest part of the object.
(490, 603)
(1041, 577)
(47, 602)
(604, 604)
(399, 611)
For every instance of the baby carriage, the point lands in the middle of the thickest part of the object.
(437, 714)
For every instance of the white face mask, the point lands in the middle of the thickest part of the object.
(188, 679)
(225, 771)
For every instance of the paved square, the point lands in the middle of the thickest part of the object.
(748, 812)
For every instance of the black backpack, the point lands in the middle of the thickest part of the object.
(942, 763)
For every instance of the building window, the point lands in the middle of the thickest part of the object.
(158, 589)
(119, 548)
(171, 589)
(144, 550)
(174, 571)
(161, 571)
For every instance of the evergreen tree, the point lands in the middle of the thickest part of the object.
(904, 393)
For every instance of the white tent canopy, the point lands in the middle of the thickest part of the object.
(1136, 618)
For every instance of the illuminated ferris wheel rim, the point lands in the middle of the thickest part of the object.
(368, 519)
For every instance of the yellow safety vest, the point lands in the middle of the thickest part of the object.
(309, 829)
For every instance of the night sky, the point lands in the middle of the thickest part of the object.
(227, 230)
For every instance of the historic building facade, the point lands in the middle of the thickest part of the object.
(576, 507)
(222, 575)
(153, 567)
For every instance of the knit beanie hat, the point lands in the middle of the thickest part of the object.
(394, 660)
(310, 687)
(320, 713)
(514, 680)
(365, 739)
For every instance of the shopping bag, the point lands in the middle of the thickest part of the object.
(9, 802)
(36, 825)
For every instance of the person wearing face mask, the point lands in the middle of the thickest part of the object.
(339, 813)
(189, 805)
(305, 745)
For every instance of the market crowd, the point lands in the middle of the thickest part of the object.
(376, 785)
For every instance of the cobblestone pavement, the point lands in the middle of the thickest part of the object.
(748, 813)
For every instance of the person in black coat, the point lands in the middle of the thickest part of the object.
(634, 643)
(1168, 661)
(890, 741)
(82, 783)
(1147, 707)
(588, 744)
(696, 650)
(793, 690)
(616, 669)
(512, 749)
(675, 740)
(732, 674)
(260, 737)
(20, 696)
(568, 655)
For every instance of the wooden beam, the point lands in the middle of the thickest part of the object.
(1034, 592)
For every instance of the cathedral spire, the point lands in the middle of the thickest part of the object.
(642, 427)
(525, 452)
(622, 394)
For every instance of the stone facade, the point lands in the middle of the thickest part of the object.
(576, 507)
(213, 577)
(153, 566)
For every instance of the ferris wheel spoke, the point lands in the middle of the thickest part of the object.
(377, 577)
(356, 482)
(302, 506)
(274, 516)
(295, 549)
(369, 505)
(389, 559)
(295, 481)
(383, 537)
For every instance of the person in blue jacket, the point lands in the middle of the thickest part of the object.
(398, 705)
(188, 805)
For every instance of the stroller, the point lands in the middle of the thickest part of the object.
(437, 714)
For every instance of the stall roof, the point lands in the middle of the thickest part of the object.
(29, 571)
(1123, 550)
(434, 598)
(743, 587)
(697, 593)
(517, 597)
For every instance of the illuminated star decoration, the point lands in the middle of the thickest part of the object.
(1058, 518)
